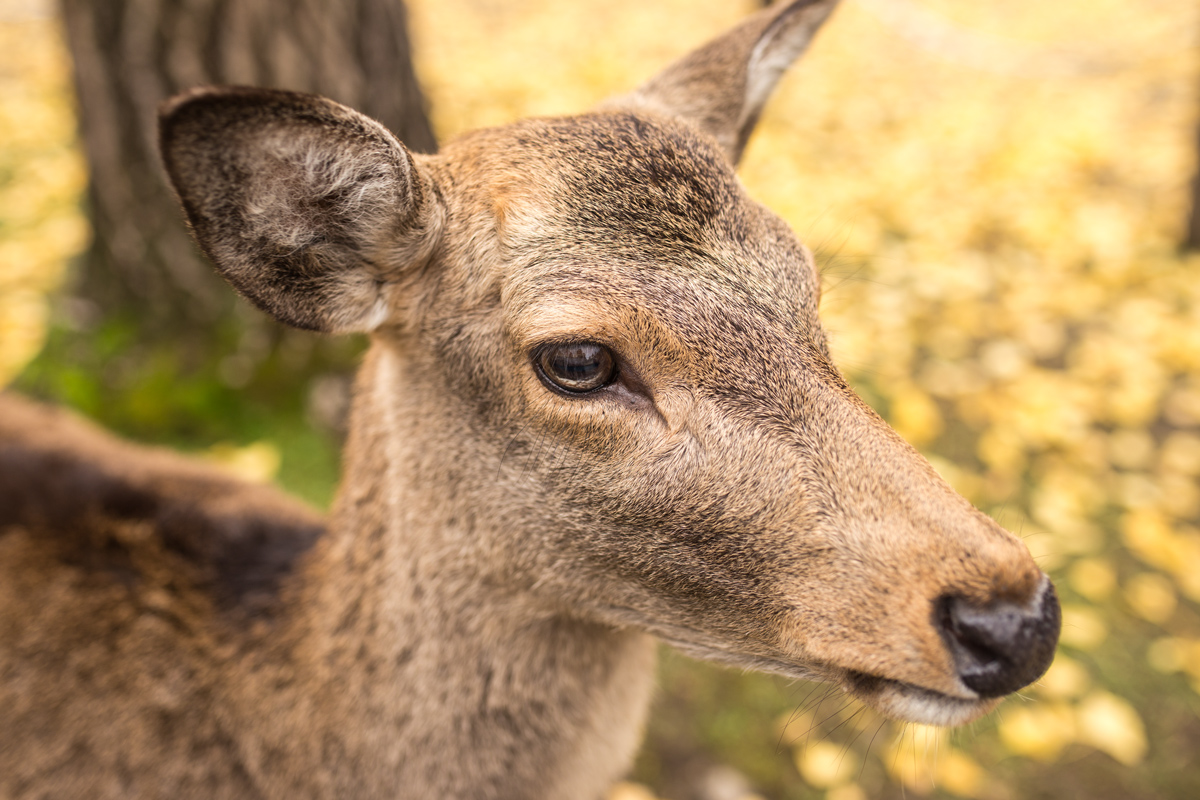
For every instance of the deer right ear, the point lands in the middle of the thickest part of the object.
(311, 210)
(721, 88)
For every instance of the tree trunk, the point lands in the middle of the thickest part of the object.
(130, 55)
(1191, 239)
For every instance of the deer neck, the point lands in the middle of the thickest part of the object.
(467, 686)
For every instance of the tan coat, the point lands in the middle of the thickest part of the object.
(598, 404)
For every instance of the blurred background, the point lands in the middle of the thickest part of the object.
(1000, 195)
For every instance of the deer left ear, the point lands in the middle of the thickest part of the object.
(722, 87)
(314, 212)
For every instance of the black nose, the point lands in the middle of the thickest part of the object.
(1003, 646)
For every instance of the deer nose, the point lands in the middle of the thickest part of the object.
(1000, 647)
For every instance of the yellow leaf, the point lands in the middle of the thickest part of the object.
(1066, 678)
(1002, 451)
(1149, 536)
(1167, 654)
(626, 790)
(1180, 494)
(257, 462)
(914, 415)
(1137, 490)
(23, 319)
(1187, 577)
(1111, 725)
(1182, 406)
(1130, 448)
(1082, 628)
(1094, 578)
(1181, 452)
(795, 727)
(1151, 596)
(849, 791)
(957, 773)
(1004, 358)
(1039, 731)
(1191, 657)
(824, 764)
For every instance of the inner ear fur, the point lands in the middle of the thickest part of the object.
(722, 87)
(312, 211)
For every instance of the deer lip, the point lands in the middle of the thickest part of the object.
(892, 698)
(911, 703)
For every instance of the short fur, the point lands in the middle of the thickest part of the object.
(473, 622)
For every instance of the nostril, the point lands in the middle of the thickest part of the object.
(1000, 647)
(976, 637)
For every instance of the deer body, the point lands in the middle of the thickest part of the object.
(597, 405)
(142, 679)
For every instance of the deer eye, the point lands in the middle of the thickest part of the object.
(577, 367)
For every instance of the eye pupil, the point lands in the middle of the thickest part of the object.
(577, 367)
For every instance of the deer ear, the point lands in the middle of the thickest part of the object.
(722, 87)
(312, 211)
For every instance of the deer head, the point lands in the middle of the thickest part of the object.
(600, 365)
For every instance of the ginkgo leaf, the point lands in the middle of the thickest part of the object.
(823, 764)
(1111, 724)
(1039, 731)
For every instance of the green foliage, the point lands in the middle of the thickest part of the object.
(190, 401)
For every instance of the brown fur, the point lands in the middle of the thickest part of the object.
(473, 622)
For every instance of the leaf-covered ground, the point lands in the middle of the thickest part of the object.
(995, 190)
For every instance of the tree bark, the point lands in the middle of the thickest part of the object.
(130, 55)
(1191, 239)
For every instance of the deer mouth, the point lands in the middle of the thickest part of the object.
(892, 698)
(905, 701)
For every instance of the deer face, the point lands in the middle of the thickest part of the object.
(666, 394)
(621, 359)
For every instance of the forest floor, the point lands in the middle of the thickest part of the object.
(995, 192)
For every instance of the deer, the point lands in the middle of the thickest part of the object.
(597, 411)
